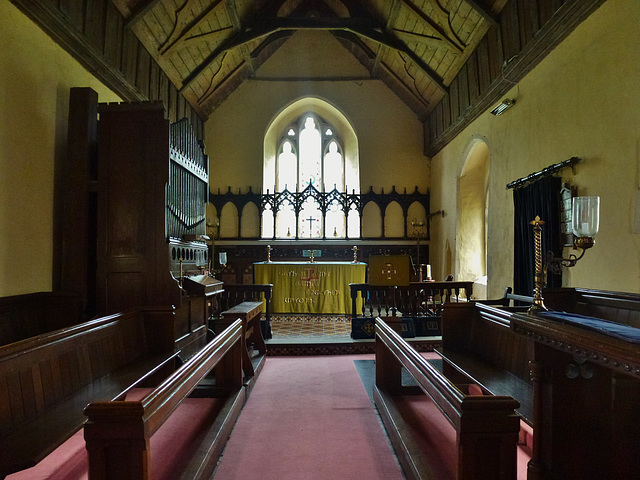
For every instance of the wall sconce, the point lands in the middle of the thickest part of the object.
(502, 106)
(585, 222)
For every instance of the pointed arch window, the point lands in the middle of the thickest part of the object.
(310, 162)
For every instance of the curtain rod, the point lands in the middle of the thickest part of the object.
(550, 170)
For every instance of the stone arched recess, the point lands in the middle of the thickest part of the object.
(471, 238)
(331, 114)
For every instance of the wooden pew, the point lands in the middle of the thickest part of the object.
(477, 340)
(47, 380)
(252, 341)
(32, 314)
(617, 307)
(484, 427)
(119, 434)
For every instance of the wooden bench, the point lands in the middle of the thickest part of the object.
(252, 341)
(120, 434)
(477, 340)
(47, 380)
(32, 314)
(480, 432)
(617, 307)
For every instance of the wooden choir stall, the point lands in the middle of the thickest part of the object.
(586, 384)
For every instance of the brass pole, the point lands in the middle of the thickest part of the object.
(538, 301)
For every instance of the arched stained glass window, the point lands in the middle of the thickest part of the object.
(310, 154)
(311, 168)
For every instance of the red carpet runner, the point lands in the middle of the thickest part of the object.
(309, 418)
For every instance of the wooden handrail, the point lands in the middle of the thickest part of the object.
(159, 404)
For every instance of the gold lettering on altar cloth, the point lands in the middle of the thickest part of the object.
(309, 279)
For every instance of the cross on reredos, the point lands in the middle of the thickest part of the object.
(390, 270)
(311, 220)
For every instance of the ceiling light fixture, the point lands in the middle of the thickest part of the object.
(502, 106)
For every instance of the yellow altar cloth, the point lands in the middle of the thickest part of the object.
(305, 287)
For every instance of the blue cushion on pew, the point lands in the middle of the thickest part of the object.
(606, 327)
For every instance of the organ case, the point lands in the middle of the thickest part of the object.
(147, 189)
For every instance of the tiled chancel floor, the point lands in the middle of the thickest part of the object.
(292, 325)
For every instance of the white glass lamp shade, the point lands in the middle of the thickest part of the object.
(585, 216)
(222, 257)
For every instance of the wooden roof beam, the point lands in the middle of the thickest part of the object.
(478, 6)
(365, 27)
(187, 34)
(396, 44)
(140, 11)
(391, 18)
(232, 10)
(433, 25)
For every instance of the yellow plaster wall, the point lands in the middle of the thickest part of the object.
(390, 139)
(582, 100)
(35, 79)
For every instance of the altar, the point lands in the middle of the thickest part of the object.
(310, 287)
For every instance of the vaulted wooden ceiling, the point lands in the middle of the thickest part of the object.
(207, 48)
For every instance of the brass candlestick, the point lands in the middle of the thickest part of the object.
(268, 253)
(355, 254)
(538, 301)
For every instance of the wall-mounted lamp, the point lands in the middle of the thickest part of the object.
(585, 222)
(502, 106)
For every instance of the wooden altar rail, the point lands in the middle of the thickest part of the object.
(234, 294)
(486, 426)
(118, 433)
(418, 299)
(46, 381)
(24, 316)
(477, 340)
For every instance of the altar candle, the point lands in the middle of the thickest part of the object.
(428, 271)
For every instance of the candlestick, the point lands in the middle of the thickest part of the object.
(538, 301)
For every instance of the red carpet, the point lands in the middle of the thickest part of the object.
(309, 418)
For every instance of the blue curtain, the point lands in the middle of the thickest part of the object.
(542, 199)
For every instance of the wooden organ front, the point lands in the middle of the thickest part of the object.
(147, 187)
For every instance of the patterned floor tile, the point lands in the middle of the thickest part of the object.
(309, 325)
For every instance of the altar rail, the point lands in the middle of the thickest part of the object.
(119, 433)
(235, 293)
(485, 426)
(418, 299)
